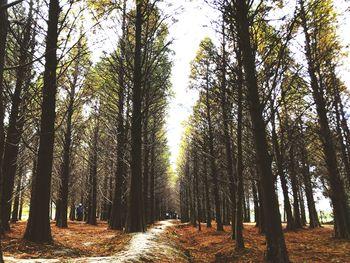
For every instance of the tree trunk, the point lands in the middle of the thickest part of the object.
(62, 201)
(4, 26)
(152, 179)
(276, 247)
(313, 217)
(256, 204)
(338, 196)
(16, 203)
(207, 194)
(145, 174)
(280, 170)
(38, 228)
(135, 220)
(91, 217)
(302, 207)
(225, 120)
(15, 126)
(239, 199)
(116, 221)
(195, 172)
(213, 170)
(295, 188)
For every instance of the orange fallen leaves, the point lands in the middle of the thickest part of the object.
(78, 240)
(184, 243)
(305, 246)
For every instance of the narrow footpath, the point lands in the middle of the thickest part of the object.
(151, 246)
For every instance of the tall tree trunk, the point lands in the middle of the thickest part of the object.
(239, 205)
(152, 179)
(313, 217)
(145, 174)
(256, 204)
(276, 247)
(302, 207)
(116, 221)
(135, 221)
(279, 162)
(38, 228)
(213, 169)
(225, 120)
(295, 188)
(14, 215)
(4, 26)
(338, 196)
(91, 217)
(195, 172)
(62, 201)
(207, 193)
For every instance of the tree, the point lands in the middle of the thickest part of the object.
(135, 220)
(276, 248)
(38, 228)
(16, 119)
(338, 197)
(202, 69)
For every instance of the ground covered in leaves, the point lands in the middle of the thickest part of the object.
(179, 243)
(304, 246)
(79, 240)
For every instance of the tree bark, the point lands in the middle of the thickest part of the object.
(91, 217)
(135, 220)
(280, 170)
(276, 247)
(16, 203)
(4, 26)
(239, 199)
(38, 228)
(62, 201)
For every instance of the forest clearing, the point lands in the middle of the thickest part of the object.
(174, 131)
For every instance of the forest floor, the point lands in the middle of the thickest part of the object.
(85, 243)
(304, 246)
(168, 241)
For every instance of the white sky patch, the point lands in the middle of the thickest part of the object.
(193, 25)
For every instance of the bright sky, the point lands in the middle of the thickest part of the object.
(193, 25)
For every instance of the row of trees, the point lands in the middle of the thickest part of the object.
(74, 131)
(267, 118)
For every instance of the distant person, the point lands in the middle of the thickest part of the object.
(80, 212)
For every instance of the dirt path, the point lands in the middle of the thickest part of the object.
(151, 246)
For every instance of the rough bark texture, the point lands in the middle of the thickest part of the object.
(38, 228)
(239, 199)
(276, 247)
(4, 24)
(135, 220)
(91, 216)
